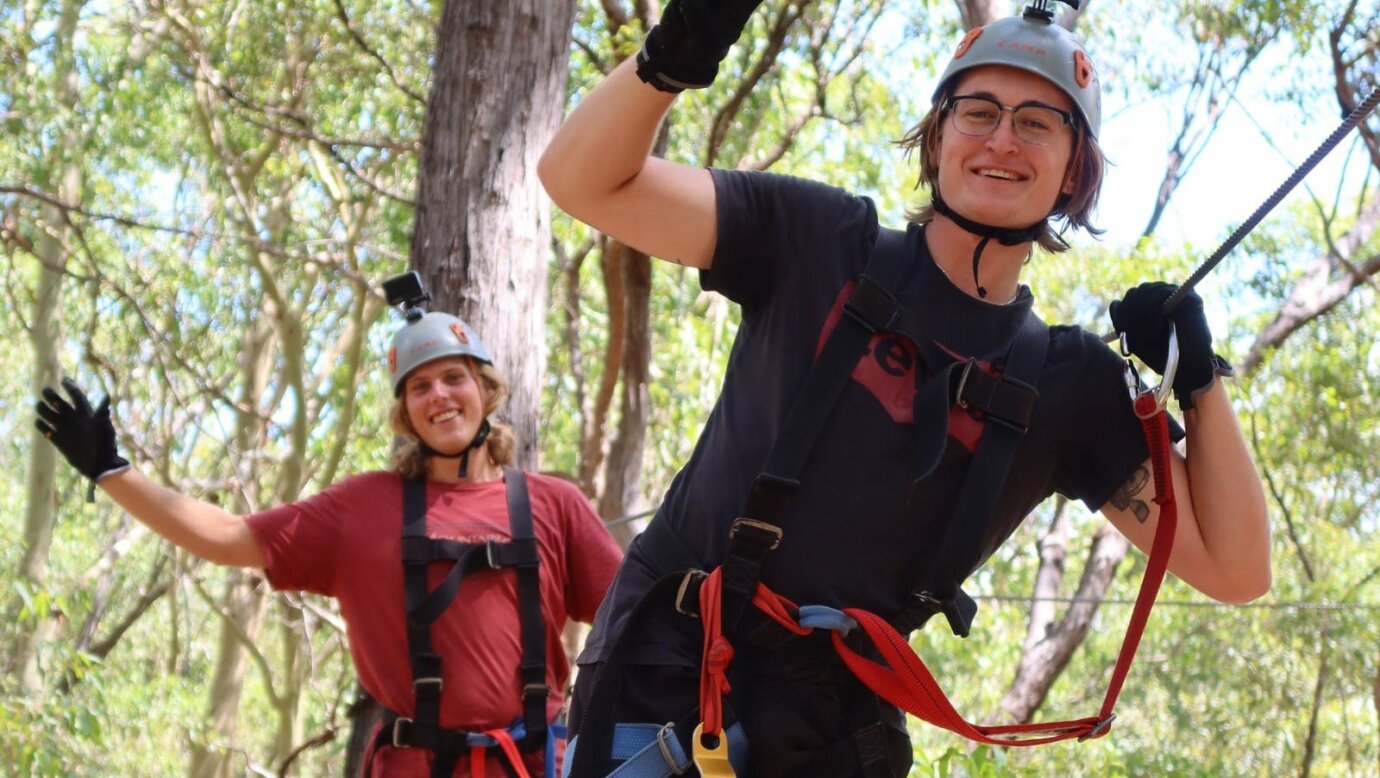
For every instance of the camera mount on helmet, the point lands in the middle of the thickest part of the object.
(406, 292)
(425, 336)
(1044, 9)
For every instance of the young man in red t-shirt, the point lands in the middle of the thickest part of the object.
(490, 658)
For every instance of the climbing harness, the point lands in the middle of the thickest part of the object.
(531, 731)
(730, 601)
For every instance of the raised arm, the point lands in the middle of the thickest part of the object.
(1222, 547)
(599, 168)
(86, 437)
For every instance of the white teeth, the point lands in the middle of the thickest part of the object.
(443, 417)
(993, 173)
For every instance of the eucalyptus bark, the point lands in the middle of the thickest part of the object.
(482, 236)
(241, 604)
(623, 470)
(45, 335)
(482, 233)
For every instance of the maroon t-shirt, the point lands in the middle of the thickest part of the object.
(344, 543)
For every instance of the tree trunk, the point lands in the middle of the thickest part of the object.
(242, 603)
(242, 611)
(1321, 288)
(623, 469)
(1041, 664)
(1053, 554)
(976, 13)
(482, 234)
(46, 335)
(1310, 744)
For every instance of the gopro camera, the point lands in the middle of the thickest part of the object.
(406, 291)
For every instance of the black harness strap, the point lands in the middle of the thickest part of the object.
(870, 308)
(532, 668)
(423, 607)
(941, 590)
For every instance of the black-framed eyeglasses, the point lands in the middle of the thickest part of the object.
(1035, 123)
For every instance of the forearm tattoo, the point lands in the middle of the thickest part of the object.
(1127, 497)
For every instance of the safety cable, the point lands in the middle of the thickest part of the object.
(1350, 122)
(1278, 605)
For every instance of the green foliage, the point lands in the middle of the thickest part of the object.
(245, 173)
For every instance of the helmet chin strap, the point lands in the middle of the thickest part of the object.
(1006, 236)
(479, 437)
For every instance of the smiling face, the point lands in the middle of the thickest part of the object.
(445, 404)
(999, 179)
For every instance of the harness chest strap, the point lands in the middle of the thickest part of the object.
(424, 606)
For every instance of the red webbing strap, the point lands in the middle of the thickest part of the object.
(905, 682)
(718, 651)
(717, 655)
(1155, 422)
(510, 750)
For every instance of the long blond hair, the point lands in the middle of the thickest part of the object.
(410, 458)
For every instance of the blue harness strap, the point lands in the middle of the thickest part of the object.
(653, 751)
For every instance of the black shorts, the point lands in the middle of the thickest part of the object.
(799, 707)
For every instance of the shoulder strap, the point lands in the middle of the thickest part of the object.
(423, 606)
(532, 669)
(872, 306)
(982, 487)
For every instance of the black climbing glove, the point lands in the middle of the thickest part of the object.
(1139, 316)
(85, 437)
(684, 50)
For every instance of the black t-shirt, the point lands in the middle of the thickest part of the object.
(788, 252)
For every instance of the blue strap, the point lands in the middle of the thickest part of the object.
(824, 617)
(517, 732)
(644, 750)
(554, 732)
(652, 751)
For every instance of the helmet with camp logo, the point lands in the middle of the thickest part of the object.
(431, 336)
(1034, 43)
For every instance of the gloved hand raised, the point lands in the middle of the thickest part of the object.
(85, 437)
(1139, 316)
(684, 50)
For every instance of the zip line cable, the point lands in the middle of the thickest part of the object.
(1352, 119)
(1278, 605)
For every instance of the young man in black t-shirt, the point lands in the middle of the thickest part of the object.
(789, 252)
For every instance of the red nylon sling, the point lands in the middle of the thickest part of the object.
(904, 681)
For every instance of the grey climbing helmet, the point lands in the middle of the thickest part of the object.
(1034, 43)
(425, 336)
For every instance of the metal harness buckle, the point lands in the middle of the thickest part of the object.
(428, 680)
(685, 588)
(663, 743)
(398, 725)
(760, 526)
(962, 384)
